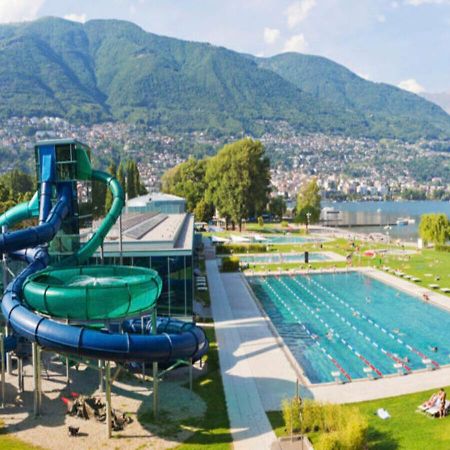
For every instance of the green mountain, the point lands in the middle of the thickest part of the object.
(113, 70)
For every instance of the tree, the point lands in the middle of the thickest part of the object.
(434, 228)
(238, 180)
(112, 169)
(277, 207)
(203, 211)
(132, 176)
(121, 177)
(308, 203)
(17, 183)
(187, 180)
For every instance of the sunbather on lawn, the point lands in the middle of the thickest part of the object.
(433, 401)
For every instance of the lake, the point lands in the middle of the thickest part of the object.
(372, 217)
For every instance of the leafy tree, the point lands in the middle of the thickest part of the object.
(17, 183)
(238, 180)
(121, 176)
(112, 169)
(434, 228)
(187, 180)
(277, 206)
(308, 203)
(203, 211)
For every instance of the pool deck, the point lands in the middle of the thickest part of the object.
(249, 425)
(257, 352)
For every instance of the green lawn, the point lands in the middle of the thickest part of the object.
(9, 442)
(213, 430)
(406, 429)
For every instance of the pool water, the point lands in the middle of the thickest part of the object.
(353, 324)
(289, 239)
(282, 258)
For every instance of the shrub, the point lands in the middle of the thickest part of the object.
(329, 441)
(260, 221)
(292, 414)
(284, 224)
(230, 264)
(442, 248)
(240, 248)
(340, 427)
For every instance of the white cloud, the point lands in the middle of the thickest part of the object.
(271, 35)
(298, 11)
(19, 10)
(411, 85)
(427, 2)
(296, 43)
(76, 17)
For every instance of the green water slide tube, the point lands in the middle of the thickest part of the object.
(92, 292)
(20, 212)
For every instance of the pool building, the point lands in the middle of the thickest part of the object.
(161, 241)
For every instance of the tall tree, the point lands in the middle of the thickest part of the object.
(121, 177)
(238, 180)
(308, 203)
(132, 176)
(434, 228)
(112, 169)
(277, 206)
(187, 180)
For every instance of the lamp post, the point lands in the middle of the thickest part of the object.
(308, 215)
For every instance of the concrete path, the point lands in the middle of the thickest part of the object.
(250, 427)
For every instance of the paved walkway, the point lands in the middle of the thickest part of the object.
(250, 427)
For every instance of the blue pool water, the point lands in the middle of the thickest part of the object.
(282, 258)
(349, 322)
(289, 239)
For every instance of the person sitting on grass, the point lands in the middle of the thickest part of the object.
(442, 399)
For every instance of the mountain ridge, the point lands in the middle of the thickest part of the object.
(113, 70)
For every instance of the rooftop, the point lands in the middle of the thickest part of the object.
(152, 231)
(143, 200)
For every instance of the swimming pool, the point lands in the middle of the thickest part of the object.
(282, 258)
(354, 325)
(290, 239)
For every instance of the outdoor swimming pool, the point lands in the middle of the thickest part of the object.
(353, 324)
(282, 258)
(290, 239)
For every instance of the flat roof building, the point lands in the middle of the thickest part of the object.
(157, 202)
(160, 241)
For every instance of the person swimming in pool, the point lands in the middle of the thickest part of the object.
(434, 348)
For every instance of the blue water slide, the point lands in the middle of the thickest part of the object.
(175, 339)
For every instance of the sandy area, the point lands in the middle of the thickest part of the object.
(129, 394)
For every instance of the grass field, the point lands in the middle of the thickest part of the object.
(407, 429)
(213, 430)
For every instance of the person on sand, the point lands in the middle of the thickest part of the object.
(442, 399)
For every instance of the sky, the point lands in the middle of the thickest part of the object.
(403, 42)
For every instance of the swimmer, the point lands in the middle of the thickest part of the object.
(434, 348)
(330, 335)
(405, 359)
(368, 300)
(355, 314)
(396, 331)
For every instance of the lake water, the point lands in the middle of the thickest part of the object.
(372, 217)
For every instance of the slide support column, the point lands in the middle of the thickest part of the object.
(2, 351)
(108, 398)
(155, 371)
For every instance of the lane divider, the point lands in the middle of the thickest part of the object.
(314, 337)
(400, 341)
(374, 343)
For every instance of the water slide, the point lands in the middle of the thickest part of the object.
(41, 300)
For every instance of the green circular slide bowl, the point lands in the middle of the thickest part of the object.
(92, 292)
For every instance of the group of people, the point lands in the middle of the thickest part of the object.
(437, 400)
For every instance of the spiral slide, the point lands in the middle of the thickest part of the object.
(41, 299)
